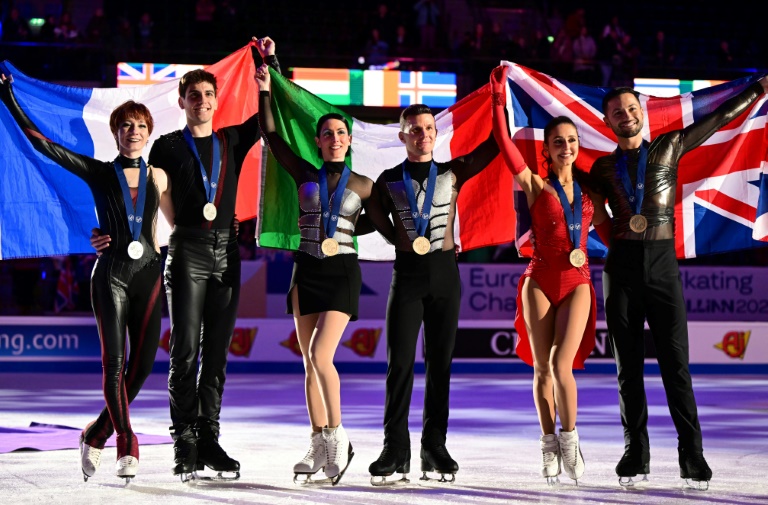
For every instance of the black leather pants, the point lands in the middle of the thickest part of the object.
(202, 281)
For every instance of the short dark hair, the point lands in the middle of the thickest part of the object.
(413, 110)
(618, 92)
(326, 117)
(133, 110)
(321, 122)
(195, 77)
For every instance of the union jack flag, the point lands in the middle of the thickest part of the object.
(435, 89)
(142, 74)
(722, 185)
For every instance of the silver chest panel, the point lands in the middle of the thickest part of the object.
(441, 206)
(310, 224)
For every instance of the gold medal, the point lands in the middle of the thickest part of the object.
(638, 223)
(209, 211)
(421, 246)
(577, 258)
(330, 247)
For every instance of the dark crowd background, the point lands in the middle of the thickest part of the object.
(591, 42)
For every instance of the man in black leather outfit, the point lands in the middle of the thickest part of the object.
(641, 279)
(202, 269)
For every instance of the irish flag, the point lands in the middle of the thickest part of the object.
(485, 212)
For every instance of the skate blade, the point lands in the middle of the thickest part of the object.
(442, 478)
(305, 479)
(220, 476)
(381, 480)
(336, 478)
(553, 481)
(697, 485)
(628, 482)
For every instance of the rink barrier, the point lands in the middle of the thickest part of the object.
(71, 344)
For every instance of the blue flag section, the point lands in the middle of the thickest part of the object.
(44, 210)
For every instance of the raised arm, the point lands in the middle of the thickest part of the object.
(267, 50)
(80, 165)
(292, 163)
(527, 180)
(697, 133)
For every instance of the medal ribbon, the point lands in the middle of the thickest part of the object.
(420, 219)
(134, 213)
(572, 217)
(634, 194)
(210, 187)
(331, 216)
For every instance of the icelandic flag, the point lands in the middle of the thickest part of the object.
(45, 210)
(435, 89)
(722, 192)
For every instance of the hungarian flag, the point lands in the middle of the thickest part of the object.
(45, 210)
(484, 215)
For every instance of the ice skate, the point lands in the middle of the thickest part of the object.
(550, 458)
(694, 470)
(392, 460)
(570, 454)
(127, 456)
(184, 453)
(90, 458)
(126, 468)
(312, 463)
(210, 454)
(632, 464)
(338, 452)
(435, 458)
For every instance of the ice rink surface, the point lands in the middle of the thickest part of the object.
(493, 435)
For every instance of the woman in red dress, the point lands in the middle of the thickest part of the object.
(556, 307)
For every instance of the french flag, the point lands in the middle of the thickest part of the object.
(47, 211)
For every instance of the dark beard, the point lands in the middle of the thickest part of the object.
(629, 135)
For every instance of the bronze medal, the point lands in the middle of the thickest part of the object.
(330, 247)
(638, 223)
(577, 258)
(421, 246)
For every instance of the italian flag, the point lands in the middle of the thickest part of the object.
(484, 211)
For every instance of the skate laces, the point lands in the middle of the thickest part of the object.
(570, 451)
(333, 455)
(92, 455)
(387, 453)
(127, 461)
(548, 457)
(315, 448)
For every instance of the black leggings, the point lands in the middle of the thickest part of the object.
(123, 296)
(424, 288)
(202, 281)
(641, 281)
